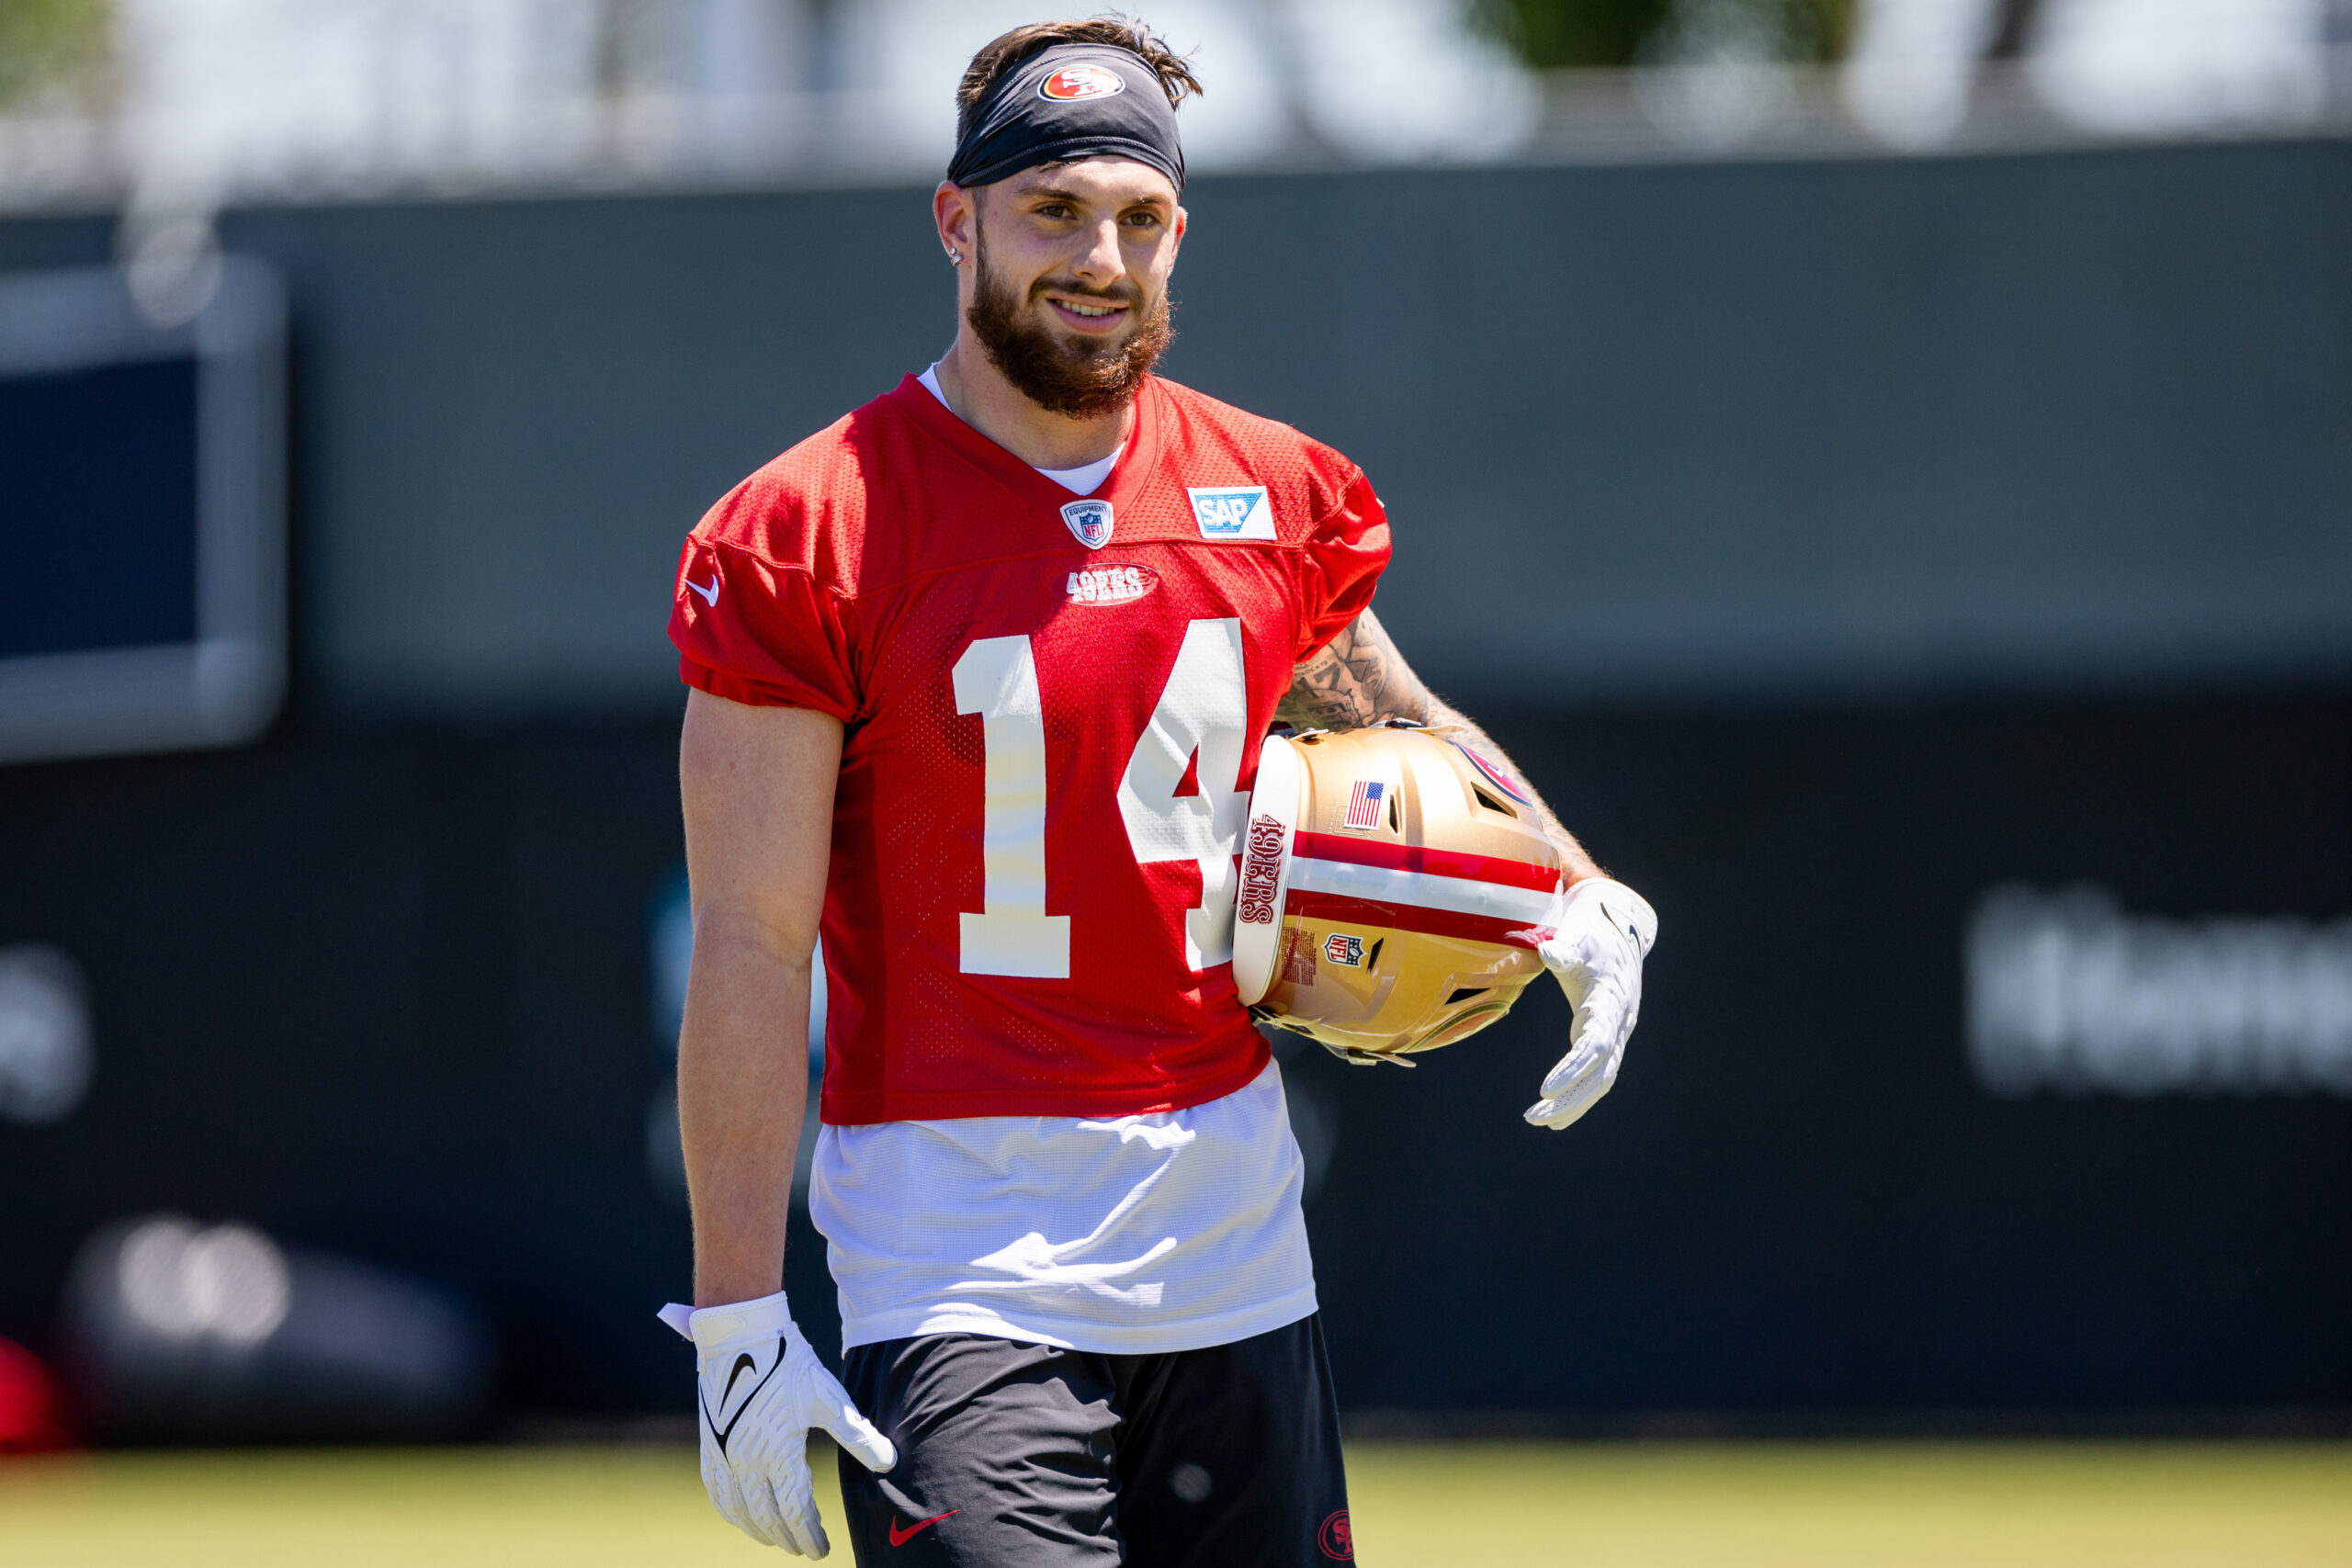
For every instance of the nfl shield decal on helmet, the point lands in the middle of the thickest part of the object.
(1232, 512)
(1090, 520)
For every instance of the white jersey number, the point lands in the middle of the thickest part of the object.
(996, 678)
(1199, 725)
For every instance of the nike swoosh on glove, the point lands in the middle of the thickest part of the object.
(763, 1389)
(1601, 932)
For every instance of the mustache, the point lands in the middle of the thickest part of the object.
(1117, 294)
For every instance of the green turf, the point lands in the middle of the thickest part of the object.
(1489, 1505)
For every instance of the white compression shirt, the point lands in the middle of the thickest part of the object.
(1084, 480)
(1132, 1235)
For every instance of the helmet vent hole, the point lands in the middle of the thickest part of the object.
(1372, 959)
(1490, 803)
(1467, 992)
(1395, 819)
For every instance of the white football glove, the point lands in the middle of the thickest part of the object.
(763, 1389)
(1601, 932)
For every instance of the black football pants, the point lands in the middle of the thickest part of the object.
(1014, 1455)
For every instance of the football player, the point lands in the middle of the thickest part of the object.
(978, 675)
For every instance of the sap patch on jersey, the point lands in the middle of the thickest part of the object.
(1232, 512)
(1090, 522)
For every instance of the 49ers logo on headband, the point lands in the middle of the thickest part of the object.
(1082, 82)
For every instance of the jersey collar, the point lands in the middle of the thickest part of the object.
(1142, 452)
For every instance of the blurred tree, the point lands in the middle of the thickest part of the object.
(49, 42)
(1554, 33)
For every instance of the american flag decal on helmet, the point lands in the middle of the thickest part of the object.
(1364, 803)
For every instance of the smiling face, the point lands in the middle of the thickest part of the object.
(1069, 289)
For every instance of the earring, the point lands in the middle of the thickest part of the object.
(954, 256)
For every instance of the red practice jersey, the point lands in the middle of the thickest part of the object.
(1053, 706)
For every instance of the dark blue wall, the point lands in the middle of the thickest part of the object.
(386, 992)
(2014, 488)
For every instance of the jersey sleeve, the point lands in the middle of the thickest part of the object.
(1341, 565)
(757, 632)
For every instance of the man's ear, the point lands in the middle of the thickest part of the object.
(956, 211)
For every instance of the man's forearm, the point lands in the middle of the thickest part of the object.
(742, 1085)
(1580, 866)
(1360, 679)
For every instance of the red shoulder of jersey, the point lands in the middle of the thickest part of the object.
(766, 600)
(1319, 502)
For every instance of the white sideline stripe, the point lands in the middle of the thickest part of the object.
(1419, 889)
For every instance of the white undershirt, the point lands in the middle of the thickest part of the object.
(1128, 1235)
(1084, 480)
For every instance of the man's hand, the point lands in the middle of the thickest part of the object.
(763, 1389)
(1601, 932)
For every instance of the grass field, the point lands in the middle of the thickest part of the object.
(1416, 1505)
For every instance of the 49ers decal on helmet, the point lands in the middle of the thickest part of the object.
(1072, 82)
(1493, 774)
(1261, 871)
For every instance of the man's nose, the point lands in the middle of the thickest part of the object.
(1101, 264)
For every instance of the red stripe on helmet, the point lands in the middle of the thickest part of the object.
(1338, 909)
(1436, 863)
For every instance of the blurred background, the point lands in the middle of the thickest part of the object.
(1881, 465)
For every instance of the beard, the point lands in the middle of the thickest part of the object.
(1080, 377)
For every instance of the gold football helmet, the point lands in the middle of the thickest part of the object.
(1393, 886)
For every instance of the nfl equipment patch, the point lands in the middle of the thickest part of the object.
(1345, 950)
(1365, 803)
(1232, 512)
(1090, 522)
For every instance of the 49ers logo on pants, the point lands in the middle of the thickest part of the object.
(1337, 1539)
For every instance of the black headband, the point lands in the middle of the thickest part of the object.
(1071, 101)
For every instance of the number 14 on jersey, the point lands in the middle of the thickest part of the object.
(1198, 725)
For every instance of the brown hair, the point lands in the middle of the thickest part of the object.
(1003, 54)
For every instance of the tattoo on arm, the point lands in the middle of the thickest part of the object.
(1357, 680)
(1361, 679)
